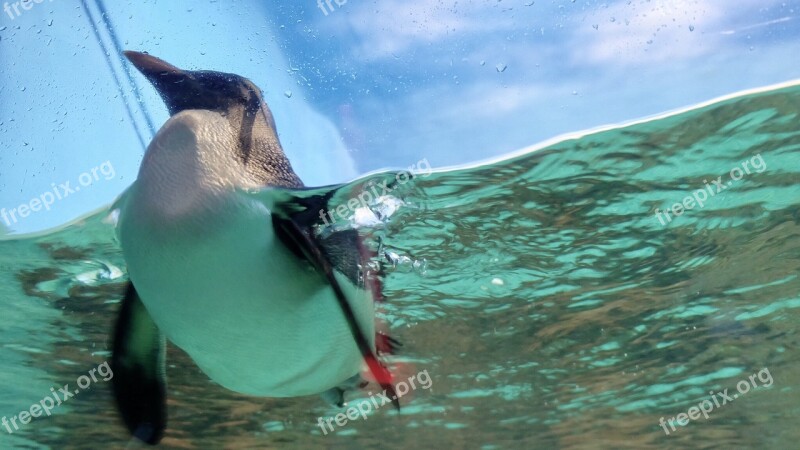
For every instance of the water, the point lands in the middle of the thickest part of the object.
(548, 303)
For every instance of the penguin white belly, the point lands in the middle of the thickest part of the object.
(256, 319)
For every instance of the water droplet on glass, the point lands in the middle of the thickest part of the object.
(691, 27)
(288, 94)
(501, 67)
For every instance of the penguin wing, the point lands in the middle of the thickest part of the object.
(138, 365)
(295, 214)
(301, 240)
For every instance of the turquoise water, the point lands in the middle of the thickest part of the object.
(542, 294)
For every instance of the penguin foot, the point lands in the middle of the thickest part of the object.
(386, 345)
(334, 396)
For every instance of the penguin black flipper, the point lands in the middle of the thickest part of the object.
(138, 365)
(300, 239)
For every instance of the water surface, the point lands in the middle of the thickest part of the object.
(549, 304)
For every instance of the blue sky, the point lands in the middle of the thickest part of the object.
(369, 84)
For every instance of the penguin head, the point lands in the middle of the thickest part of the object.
(238, 101)
(203, 89)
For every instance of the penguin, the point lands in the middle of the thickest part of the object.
(220, 238)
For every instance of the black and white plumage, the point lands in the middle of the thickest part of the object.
(218, 236)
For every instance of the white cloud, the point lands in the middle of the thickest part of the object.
(481, 101)
(493, 101)
(660, 31)
(624, 32)
(758, 25)
(647, 32)
(399, 25)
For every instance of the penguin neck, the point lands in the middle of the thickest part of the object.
(190, 166)
(260, 149)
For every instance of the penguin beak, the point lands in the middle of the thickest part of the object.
(174, 85)
(151, 67)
